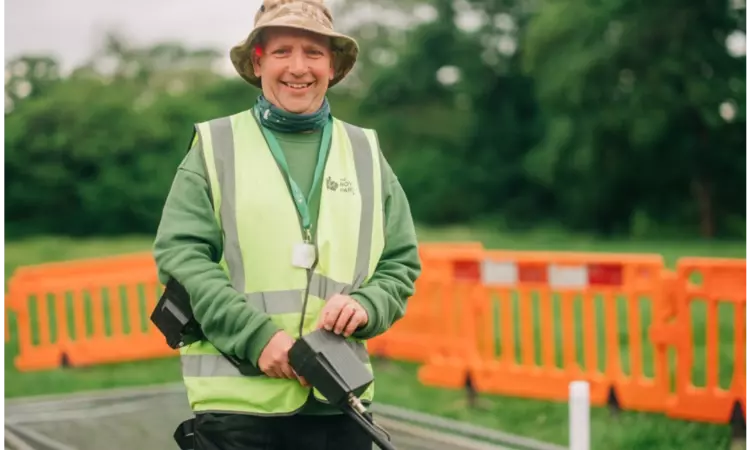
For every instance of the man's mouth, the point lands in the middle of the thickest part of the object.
(299, 86)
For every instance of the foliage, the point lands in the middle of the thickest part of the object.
(611, 117)
(633, 95)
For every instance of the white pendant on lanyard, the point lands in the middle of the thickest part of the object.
(303, 255)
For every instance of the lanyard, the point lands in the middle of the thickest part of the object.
(300, 201)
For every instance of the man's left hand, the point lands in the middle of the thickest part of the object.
(342, 315)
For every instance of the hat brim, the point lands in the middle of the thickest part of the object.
(345, 51)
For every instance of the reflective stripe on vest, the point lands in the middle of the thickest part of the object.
(218, 366)
(258, 263)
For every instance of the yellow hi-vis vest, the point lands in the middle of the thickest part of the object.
(255, 210)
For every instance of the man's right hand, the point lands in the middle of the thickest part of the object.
(274, 359)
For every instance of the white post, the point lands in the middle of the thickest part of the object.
(578, 420)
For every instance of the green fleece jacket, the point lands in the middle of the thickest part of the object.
(188, 247)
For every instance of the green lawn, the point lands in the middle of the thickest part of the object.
(397, 383)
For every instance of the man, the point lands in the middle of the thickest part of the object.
(281, 220)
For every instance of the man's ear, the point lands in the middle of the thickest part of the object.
(255, 56)
(255, 61)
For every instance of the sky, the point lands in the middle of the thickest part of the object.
(71, 30)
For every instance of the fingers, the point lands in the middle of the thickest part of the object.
(284, 370)
(358, 318)
(287, 371)
(342, 315)
(330, 313)
(345, 315)
(281, 370)
(274, 359)
(273, 372)
(279, 367)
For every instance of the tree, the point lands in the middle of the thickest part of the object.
(633, 94)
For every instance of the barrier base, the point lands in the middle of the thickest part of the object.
(90, 352)
(37, 358)
(701, 405)
(444, 372)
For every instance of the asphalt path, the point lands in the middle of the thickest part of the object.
(145, 418)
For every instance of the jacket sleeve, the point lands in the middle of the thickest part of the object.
(188, 248)
(385, 294)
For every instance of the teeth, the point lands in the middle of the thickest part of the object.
(298, 86)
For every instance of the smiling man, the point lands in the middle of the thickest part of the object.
(296, 68)
(281, 220)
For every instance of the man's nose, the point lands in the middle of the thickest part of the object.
(298, 63)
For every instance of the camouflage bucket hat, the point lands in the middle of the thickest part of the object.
(309, 15)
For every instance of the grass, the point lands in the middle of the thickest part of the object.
(397, 383)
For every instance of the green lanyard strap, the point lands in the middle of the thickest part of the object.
(300, 201)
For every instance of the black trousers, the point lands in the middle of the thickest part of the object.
(298, 432)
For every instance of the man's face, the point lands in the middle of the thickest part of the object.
(295, 68)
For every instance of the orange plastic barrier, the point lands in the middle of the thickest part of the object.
(513, 286)
(61, 269)
(6, 322)
(528, 325)
(73, 313)
(62, 311)
(418, 334)
(722, 284)
(516, 323)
